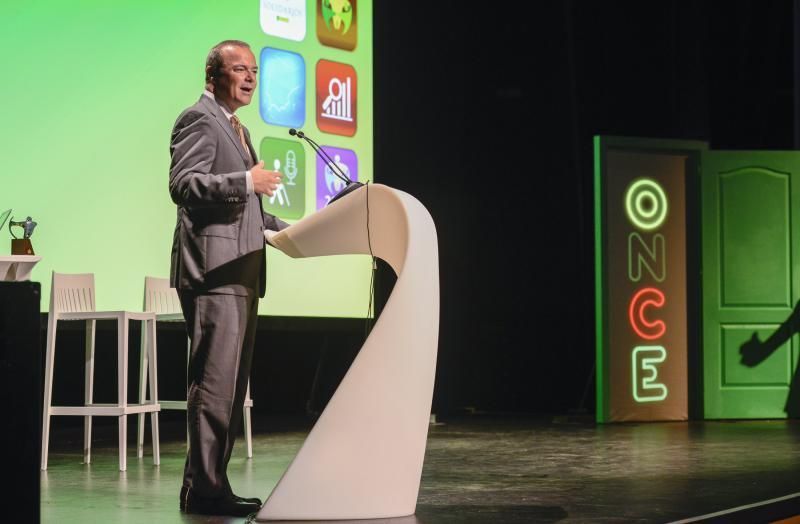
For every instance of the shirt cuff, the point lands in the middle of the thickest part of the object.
(248, 177)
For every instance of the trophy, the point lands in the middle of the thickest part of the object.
(22, 246)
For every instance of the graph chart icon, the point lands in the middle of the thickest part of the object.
(337, 95)
(338, 104)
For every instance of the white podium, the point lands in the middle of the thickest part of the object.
(15, 268)
(363, 458)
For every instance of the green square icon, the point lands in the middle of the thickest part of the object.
(288, 157)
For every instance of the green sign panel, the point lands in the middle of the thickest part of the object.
(642, 303)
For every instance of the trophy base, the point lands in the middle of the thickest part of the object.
(21, 246)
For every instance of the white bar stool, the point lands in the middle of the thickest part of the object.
(72, 297)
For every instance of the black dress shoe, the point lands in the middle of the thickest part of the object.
(253, 500)
(229, 505)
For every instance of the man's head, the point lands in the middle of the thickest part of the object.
(232, 73)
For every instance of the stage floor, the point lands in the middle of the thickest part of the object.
(478, 469)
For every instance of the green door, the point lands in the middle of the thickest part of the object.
(750, 260)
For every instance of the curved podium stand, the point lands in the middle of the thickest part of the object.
(363, 458)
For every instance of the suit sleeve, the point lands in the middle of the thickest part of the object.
(193, 148)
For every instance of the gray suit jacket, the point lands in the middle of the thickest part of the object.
(218, 245)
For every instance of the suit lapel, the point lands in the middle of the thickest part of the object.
(226, 126)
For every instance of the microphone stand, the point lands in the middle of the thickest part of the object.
(349, 185)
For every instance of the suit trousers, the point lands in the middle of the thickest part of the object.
(221, 330)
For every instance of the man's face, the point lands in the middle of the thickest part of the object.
(238, 79)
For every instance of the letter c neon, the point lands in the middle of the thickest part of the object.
(644, 298)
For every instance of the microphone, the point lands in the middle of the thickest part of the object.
(334, 167)
(349, 185)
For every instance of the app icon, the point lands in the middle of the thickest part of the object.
(282, 88)
(337, 23)
(288, 157)
(337, 88)
(284, 18)
(328, 184)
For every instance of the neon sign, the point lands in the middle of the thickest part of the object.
(644, 298)
(646, 204)
(644, 360)
(642, 251)
(646, 207)
(651, 257)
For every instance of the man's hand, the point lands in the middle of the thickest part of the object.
(264, 182)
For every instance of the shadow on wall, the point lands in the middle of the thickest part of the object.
(754, 352)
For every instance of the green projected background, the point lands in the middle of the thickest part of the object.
(91, 90)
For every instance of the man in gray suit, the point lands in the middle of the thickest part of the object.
(218, 267)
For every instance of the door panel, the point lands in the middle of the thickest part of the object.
(754, 224)
(749, 258)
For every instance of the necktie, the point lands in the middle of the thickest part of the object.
(237, 126)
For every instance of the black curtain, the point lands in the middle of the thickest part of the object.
(486, 114)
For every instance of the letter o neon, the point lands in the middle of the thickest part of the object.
(638, 193)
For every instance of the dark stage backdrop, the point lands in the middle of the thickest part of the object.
(493, 132)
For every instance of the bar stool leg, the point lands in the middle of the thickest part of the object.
(52, 323)
(152, 362)
(122, 388)
(88, 394)
(248, 427)
(143, 378)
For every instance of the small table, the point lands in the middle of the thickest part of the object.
(16, 268)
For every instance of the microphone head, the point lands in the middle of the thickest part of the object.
(293, 131)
